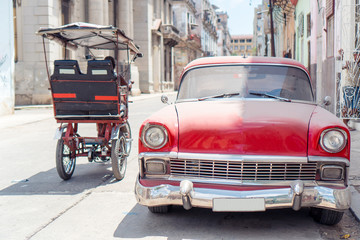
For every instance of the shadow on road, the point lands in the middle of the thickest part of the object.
(204, 224)
(86, 176)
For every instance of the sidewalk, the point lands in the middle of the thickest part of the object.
(354, 173)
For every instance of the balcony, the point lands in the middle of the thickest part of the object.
(191, 3)
(170, 34)
(208, 23)
(195, 40)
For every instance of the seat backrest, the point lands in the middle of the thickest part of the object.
(100, 70)
(66, 69)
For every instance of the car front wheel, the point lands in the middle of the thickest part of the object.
(325, 216)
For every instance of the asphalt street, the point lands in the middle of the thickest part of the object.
(36, 204)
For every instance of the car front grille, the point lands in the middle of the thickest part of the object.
(235, 170)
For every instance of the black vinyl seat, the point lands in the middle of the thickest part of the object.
(101, 70)
(94, 95)
(67, 70)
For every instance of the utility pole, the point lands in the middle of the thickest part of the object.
(272, 29)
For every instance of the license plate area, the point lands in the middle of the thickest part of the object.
(238, 205)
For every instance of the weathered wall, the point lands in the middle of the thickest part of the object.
(142, 35)
(6, 59)
(31, 79)
(302, 51)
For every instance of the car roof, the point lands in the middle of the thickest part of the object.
(245, 60)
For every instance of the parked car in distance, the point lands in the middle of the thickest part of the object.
(245, 134)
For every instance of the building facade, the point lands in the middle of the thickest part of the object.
(259, 33)
(346, 43)
(148, 22)
(31, 79)
(325, 37)
(242, 45)
(224, 37)
(156, 35)
(189, 46)
(206, 19)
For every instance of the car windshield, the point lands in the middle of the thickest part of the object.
(246, 81)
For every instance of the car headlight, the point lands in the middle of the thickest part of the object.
(333, 140)
(154, 136)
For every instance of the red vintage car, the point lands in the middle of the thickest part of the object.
(245, 134)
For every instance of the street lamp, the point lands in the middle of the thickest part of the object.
(272, 42)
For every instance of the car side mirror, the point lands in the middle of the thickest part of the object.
(165, 99)
(327, 101)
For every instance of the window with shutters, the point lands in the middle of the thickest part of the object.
(15, 32)
(330, 37)
(330, 5)
(308, 25)
(301, 25)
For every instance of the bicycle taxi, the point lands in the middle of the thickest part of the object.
(98, 96)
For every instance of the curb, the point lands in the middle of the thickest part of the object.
(355, 203)
(32, 107)
(143, 96)
(355, 124)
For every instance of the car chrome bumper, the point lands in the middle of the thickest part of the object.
(296, 196)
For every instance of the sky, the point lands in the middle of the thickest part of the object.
(241, 14)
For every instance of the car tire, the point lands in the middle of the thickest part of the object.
(159, 209)
(325, 216)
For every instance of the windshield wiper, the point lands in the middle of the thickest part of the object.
(270, 96)
(219, 96)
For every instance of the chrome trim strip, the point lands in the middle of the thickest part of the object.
(233, 157)
(331, 160)
(224, 157)
(242, 158)
(308, 183)
(236, 182)
(163, 155)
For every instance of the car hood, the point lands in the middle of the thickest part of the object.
(251, 127)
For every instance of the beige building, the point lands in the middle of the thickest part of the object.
(241, 45)
(224, 37)
(148, 22)
(189, 47)
(156, 35)
(206, 19)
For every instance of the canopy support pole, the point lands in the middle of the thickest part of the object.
(46, 62)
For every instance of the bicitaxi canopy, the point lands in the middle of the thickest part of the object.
(90, 36)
